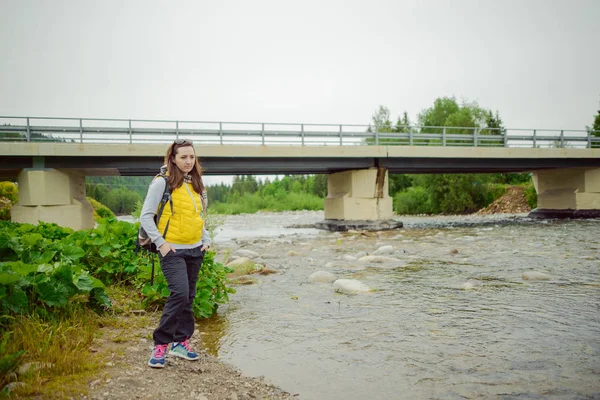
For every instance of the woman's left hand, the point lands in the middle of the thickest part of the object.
(204, 247)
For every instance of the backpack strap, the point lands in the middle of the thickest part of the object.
(166, 197)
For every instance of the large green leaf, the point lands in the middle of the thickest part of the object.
(16, 301)
(45, 257)
(18, 267)
(6, 278)
(105, 250)
(33, 240)
(53, 293)
(99, 296)
(97, 283)
(72, 253)
(47, 268)
(84, 282)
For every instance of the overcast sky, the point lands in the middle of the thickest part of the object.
(314, 61)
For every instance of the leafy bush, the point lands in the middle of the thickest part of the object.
(495, 190)
(455, 193)
(44, 267)
(100, 210)
(121, 201)
(414, 200)
(211, 289)
(9, 195)
(214, 223)
(531, 196)
(41, 275)
(10, 191)
(110, 251)
(137, 210)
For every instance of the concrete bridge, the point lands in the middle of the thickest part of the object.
(51, 160)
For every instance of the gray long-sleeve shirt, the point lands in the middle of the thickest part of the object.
(155, 192)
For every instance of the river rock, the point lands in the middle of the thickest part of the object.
(360, 254)
(350, 286)
(377, 259)
(535, 276)
(321, 276)
(334, 264)
(292, 253)
(348, 257)
(384, 250)
(239, 261)
(470, 286)
(247, 253)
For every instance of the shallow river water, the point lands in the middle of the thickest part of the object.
(451, 318)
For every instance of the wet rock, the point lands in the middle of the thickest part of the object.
(345, 225)
(247, 253)
(321, 276)
(334, 264)
(384, 250)
(535, 276)
(239, 261)
(470, 286)
(377, 259)
(350, 286)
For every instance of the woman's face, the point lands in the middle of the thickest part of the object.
(185, 159)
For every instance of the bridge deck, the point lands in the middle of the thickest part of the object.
(145, 159)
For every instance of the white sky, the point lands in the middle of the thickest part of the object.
(313, 61)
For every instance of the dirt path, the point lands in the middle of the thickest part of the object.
(127, 375)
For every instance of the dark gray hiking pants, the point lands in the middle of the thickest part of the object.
(181, 270)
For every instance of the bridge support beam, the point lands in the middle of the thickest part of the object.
(567, 193)
(358, 199)
(51, 195)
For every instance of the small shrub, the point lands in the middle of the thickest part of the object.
(214, 223)
(414, 200)
(137, 210)
(531, 196)
(9, 195)
(494, 191)
(10, 191)
(100, 210)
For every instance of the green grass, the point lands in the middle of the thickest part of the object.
(251, 203)
(62, 346)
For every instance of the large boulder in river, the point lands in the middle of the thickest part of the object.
(321, 276)
(535, 276)
(384, 250)
(377, 259)
(350, 286)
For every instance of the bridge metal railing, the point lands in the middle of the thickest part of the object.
(126, 131)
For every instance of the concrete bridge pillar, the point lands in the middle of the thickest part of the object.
(567, 193)
(51, 195)
(358, 199)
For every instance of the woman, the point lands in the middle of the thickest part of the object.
(181, 250)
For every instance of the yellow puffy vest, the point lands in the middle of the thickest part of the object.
(186, 221)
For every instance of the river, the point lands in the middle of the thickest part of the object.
(451, 318)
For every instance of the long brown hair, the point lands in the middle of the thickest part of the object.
(174, 174)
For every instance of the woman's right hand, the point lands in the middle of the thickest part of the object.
(165, 248)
